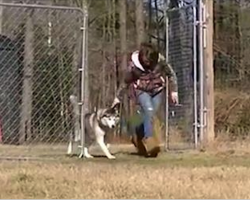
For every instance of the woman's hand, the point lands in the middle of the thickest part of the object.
(174, 97)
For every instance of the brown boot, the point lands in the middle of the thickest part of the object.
(134, 140)
(137, 142)
(152, 146)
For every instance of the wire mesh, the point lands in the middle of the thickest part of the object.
(181, 56)
(231, 42)
(40, 54)
(231, 68)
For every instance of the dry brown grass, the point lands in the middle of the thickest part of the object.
(121, 181)
(171, 175)
(232, 113)
(222, 171)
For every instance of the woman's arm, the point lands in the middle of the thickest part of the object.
(170, 73)
(130, 77)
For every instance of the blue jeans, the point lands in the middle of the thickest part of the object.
(149, 106)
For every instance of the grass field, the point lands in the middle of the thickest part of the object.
(217, 173)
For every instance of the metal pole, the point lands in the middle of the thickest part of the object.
(166, 141)
(86, 70)
(83, 71)
(195, 75)
(201, 67)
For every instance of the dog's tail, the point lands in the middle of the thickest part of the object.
(74, 102)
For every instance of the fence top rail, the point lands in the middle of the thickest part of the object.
(38, 6)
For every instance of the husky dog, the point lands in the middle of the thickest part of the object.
(97, 124)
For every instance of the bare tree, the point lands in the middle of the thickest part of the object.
(157, 24)
(149, 18)
(139, 22)
(123, 42)
(26, 110)
(123, 34)
(114, 43)
(1, 17)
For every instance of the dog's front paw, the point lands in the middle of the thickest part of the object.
(111, 157)
(70, 148)
(88, 156)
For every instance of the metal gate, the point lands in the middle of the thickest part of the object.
(42, 61)
(184, 51)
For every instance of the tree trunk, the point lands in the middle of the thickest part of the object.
(1, 18)
(157, 24)
(75, 64)
(139, 22)
(149, 19)
(114, 45)
(75, 82)
(123, 34)
(123, 43)
(26, 110)
(238, 45)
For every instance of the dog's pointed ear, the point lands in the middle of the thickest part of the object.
(106, 112)
(101, 113)
(116, 108)
(112, 111)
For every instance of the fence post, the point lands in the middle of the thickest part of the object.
(209, 74)
(166, 139)
(195, 75)
(84, 80)
(201, 71)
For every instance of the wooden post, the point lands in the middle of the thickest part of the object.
(209, 134)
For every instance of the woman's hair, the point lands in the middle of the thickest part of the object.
(148, 51)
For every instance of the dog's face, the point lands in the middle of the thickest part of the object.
(110, 118)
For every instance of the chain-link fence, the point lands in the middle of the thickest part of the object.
(42, 50)
(182, 55)
(40, 58)
(105, 71)
(231, 44)
(231, 67)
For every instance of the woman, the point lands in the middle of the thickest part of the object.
(147, 69)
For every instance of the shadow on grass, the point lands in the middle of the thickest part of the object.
(173, 158)
(169, 159)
